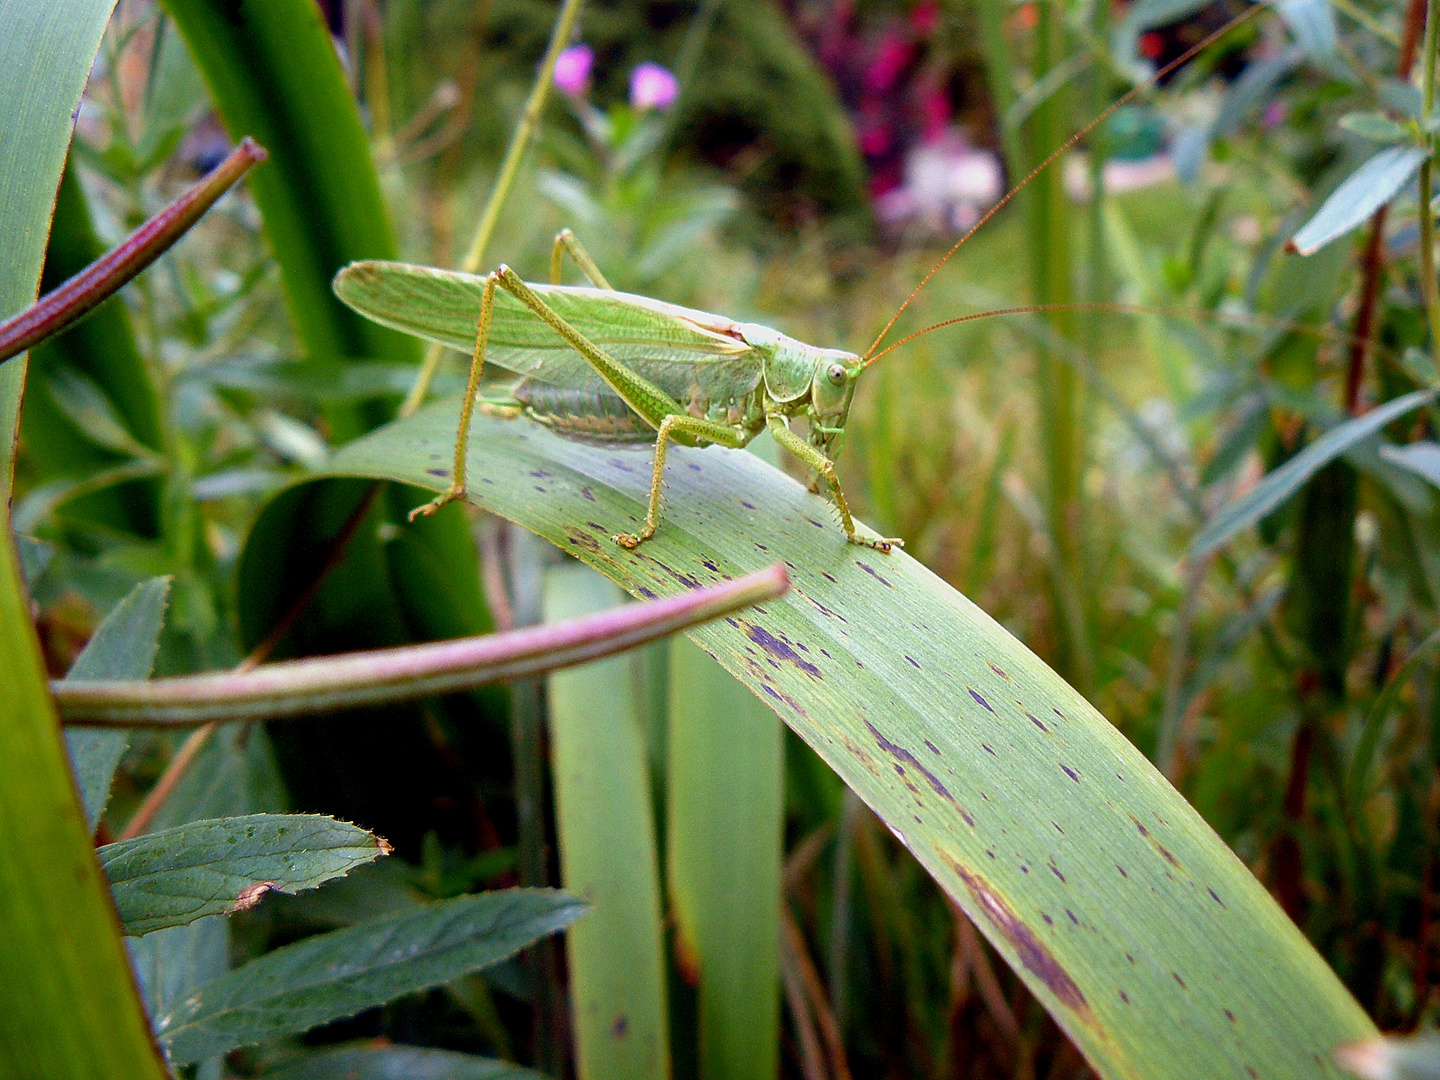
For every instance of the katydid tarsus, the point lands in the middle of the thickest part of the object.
(612, 368)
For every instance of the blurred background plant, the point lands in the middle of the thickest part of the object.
(781, 163)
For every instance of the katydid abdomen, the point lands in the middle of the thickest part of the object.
(601, 417)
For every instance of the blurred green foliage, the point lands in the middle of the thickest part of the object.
(1254, 677)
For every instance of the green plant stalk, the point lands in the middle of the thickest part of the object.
(1058, 386)
(509, 169)
(1427, 184)
(302, 687)
(725, 806)
(606, 824)
(71, 1008)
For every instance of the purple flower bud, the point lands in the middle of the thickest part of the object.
(572, 70)
(652, 87)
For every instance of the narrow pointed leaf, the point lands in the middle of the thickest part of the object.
(175, 876)
(1149, 942)
(334, 975)
(1370, 187)
(1280, 484)
(122, 647)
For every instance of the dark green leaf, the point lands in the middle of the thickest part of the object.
(1285, 481)
(366, 1061)
(1377, 127)
(122, 647)
(1370, 187)
(338, 974)
(176, 876)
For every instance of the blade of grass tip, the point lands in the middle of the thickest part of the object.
(301, 687)
(509, 170)
(75, 299)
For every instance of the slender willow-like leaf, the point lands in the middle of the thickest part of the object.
(88, 289)
(303, 687)
(175, 876)
(1285, 481)
(334, 975)
(1372, 186)
(1150, 943)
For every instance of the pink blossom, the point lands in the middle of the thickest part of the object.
(652, 87)
(891, 58)
(572, 70)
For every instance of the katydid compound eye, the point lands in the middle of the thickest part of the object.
(837, 374)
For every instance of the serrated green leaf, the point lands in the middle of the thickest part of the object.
(176, 876)
(334, 975)
(1113, 900)
(1370, 187)
(1376, 126)
(1280, 484)
(122, 647)
(367, 1061)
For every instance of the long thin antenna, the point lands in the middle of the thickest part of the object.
(1244, 319)
(1184, 58)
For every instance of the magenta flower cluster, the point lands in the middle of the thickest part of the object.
(651, 86)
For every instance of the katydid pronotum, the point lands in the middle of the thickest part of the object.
(612, 368)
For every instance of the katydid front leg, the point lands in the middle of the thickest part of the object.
(825, 470)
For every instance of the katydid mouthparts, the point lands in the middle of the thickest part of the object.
(615, 369)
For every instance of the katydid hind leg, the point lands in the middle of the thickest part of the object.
(565, 242)
(675, 423)
(825, 470)
(456, 490)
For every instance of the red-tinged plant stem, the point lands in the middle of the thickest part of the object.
(1373, 261)
(1287, 855)
(383, 676)
(75, 299)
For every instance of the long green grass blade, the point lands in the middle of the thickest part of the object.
(1150, 943)
(70, 1010)
(725, 801)
(604, 817)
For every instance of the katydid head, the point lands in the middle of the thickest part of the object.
(832, 389)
